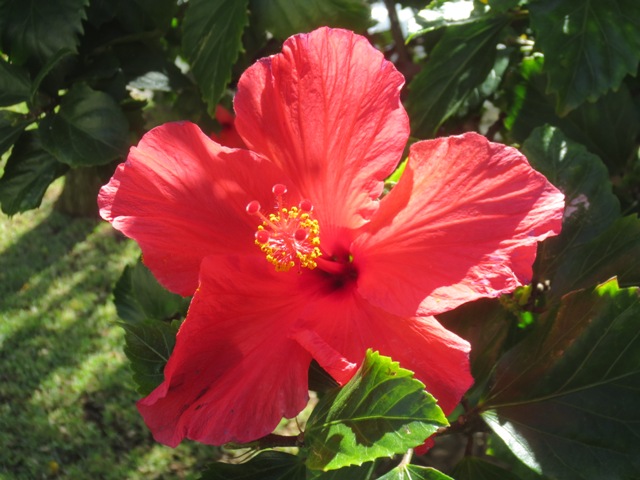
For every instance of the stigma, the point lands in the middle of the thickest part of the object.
(288, 236)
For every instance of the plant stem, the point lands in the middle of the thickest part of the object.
(273, 440)
(406, 459)
(396, 33)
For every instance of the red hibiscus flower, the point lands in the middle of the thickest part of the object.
(291, 255)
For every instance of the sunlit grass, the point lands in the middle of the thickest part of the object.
(67, 401)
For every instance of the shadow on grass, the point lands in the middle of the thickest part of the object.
(38, 249)
(66, 397)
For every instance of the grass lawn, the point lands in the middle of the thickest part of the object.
(67, 401)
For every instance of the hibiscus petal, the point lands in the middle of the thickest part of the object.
(462, 223)
(350, 325)
(234, 373)
(327, 110)
(182, 197)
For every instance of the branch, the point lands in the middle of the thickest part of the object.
(396, 33)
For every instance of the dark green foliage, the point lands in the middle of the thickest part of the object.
(27, 175)
(14, 84)
(90, 129)
(213, 30)
(283, 18)
(607, 127)
(589, 46)
(563, 394)
(35, 30)
(268, 465)
(11, 126)
(151, 317)
(474, 468)
(460, 63)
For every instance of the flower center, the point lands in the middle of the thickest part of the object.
(288, 236)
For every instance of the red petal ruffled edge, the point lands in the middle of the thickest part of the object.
(182, 197)
(327, 110)
(462, 223)
(234, 373)
(345, 327)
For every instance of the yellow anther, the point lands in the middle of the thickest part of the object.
(288, 237)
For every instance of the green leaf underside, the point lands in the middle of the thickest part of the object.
(283, 18)
(589, 45)
(459, 63)
(148, 346)
(212, 42)
(414, 472)
(565, 398)
(27, 175)
(474, 468)
(382, 411)
(36, 30)
(145, 308)
(607, 127)
(90, 129)
(14, 84)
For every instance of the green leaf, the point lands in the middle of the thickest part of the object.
(589, 46)
(485, 324)
(146, 307)
(565, 398)
(51, 63)
(212, 41)
(148, 345)
(474, 468)
(590, 204)
(414, 472)
(14, 84)
(460, 62)
(269, 465)
(382, 411)
(11, 126)
(362, 472)
(274, 465)
(27, 175)
(283, 18)
(146, 15)
(138, 296)
(89, 129)
(607, 127)
(38, 29)
(447, 13)
(591, 208)
(615, 252)
(489, 86)
(501, 452)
